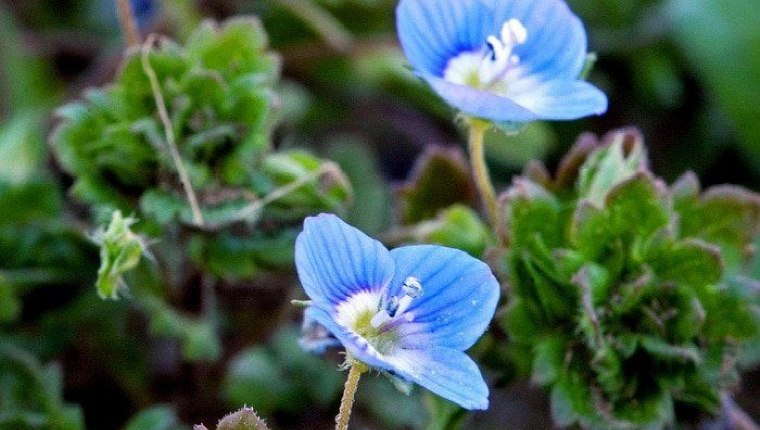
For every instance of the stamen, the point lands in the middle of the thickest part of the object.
(513, 33)
(412, 287)
(380, 318)
(495, 65)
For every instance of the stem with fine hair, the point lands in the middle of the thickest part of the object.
(349, 392)
(478, 130)
(127, 22)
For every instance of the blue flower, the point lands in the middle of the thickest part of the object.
(410, 312)
(502, 60)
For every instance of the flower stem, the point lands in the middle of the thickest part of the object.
(478, 130)
(349, 391)
(127, 22)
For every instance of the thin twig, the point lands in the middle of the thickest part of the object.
(169, 131)
(283, 191)
(127, 22)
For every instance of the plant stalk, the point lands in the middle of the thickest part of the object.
(349, 392)
(169, 132)
(478, 130)
(127, 22)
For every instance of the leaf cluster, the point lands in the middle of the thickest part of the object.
(621, 294)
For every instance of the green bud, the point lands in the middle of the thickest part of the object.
(120, 252)
(622, 157)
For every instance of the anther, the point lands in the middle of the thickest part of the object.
(412, 287)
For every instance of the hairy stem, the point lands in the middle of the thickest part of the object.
(127, 22)
(169, 132)
(349, 391)
(478, 130)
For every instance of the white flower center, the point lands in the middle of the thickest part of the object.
(487, 68)
(367, 315)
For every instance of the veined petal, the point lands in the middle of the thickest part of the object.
(447, 372)
(432, 32)
(479, 103)
(315, 337)
(335, 260)
(560, 100)
(458, 301)
(556, 44)
(355, 345)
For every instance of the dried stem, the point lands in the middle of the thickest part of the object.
(127, 22)
(283, 191)
(169, 132)
(349, 392)
(478, 130)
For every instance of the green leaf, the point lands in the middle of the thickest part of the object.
(21, 144)
(665, 351)
(372, 206)
(10, 305)
(530, 212)
(611, 165)
(33, 201)
(727, 65)
(533, 142)
(640, 198)
(440, 179)
(726, 216)
(691, 262)
(549, 359)
(456, 227)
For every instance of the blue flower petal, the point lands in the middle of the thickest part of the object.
(479, 103)
(355, 345)
(315, 337)
(447, 372)
(335, 260)
(432, 32)
(459, 296)
(560, 100)
(556, 44)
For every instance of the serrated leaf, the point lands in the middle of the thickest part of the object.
(727, 216)
(691, 262)
(530, 212)
(665, 351)
(549, 359)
